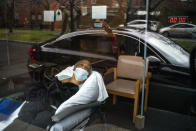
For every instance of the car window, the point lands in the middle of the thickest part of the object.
(141, 22)
(138, 22)
(132, 22)
(183, 26)
(133, 46)
(62, 44)
(178, 26)
(188, 26)
(95, 44)
(127, 45)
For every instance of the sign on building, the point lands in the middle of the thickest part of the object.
(33, 17)
(99, 12)
(59, 15)
(16, 16)
(84, 10)
(48, 16)
(39, 17)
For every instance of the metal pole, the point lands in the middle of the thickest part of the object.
(145, 50)
(71, 13)
(7, 46)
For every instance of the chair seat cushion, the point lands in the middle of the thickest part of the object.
(122, 86)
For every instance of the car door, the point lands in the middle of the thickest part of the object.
(168, 83)
(177, 30)
(163, 71)
(99, 49)
(188, 30)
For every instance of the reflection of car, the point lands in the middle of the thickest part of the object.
(169, 63)
(141, 24)
(179, 30)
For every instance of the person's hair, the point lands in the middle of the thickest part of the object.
(77, 63)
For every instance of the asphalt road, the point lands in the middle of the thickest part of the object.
(184, 39)
(13, 71)
(13, 52)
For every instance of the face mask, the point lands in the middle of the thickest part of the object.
(80, 74)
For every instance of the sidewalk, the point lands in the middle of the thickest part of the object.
(13, 78)
(14, 70)
(120, 115)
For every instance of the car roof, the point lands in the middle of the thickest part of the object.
(136, 33)
(151, 38)
(133, 32)
(141, 20)
(181, 24)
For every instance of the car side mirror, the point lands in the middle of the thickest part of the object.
(154, 63)
(154, 60)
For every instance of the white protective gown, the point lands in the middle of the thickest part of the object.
(93, 89)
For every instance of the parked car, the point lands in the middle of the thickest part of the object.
(179, 30)
(141, 24)
(169, 63)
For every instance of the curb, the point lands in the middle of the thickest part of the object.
(21, 42)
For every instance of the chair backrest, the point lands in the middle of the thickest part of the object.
(131, 67)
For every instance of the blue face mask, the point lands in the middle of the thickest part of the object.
(80, 74)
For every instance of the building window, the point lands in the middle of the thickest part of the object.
(93, 1)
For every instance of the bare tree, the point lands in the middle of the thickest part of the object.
(68, 7)
(10, 14)
(45, 4)
(153, 4)
(2, 12)
(38, 5)
(122, 9)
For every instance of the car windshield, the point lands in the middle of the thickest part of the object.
(175, 54)
(137, 22)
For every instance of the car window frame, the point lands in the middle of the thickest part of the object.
(77, 53)
(163, 60)
(98, 37)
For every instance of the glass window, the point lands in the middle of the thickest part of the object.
(133, 46)
(96, 44)
(128, 46)
(188, 26)
(62, 44)
(183, 26)
(87, 43)
(178, 26)
(141, 22)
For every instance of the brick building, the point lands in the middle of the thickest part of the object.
(29, 13)
(116, 12)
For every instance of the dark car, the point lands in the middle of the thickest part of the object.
(169, 63)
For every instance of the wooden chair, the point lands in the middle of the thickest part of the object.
(128, 80)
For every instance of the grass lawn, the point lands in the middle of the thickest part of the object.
(27, 35)
(188, 45)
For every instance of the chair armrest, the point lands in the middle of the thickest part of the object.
(149, 75)
(73, 109)
(111, 70)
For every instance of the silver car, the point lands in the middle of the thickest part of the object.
(179, 30)
(141, 24)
